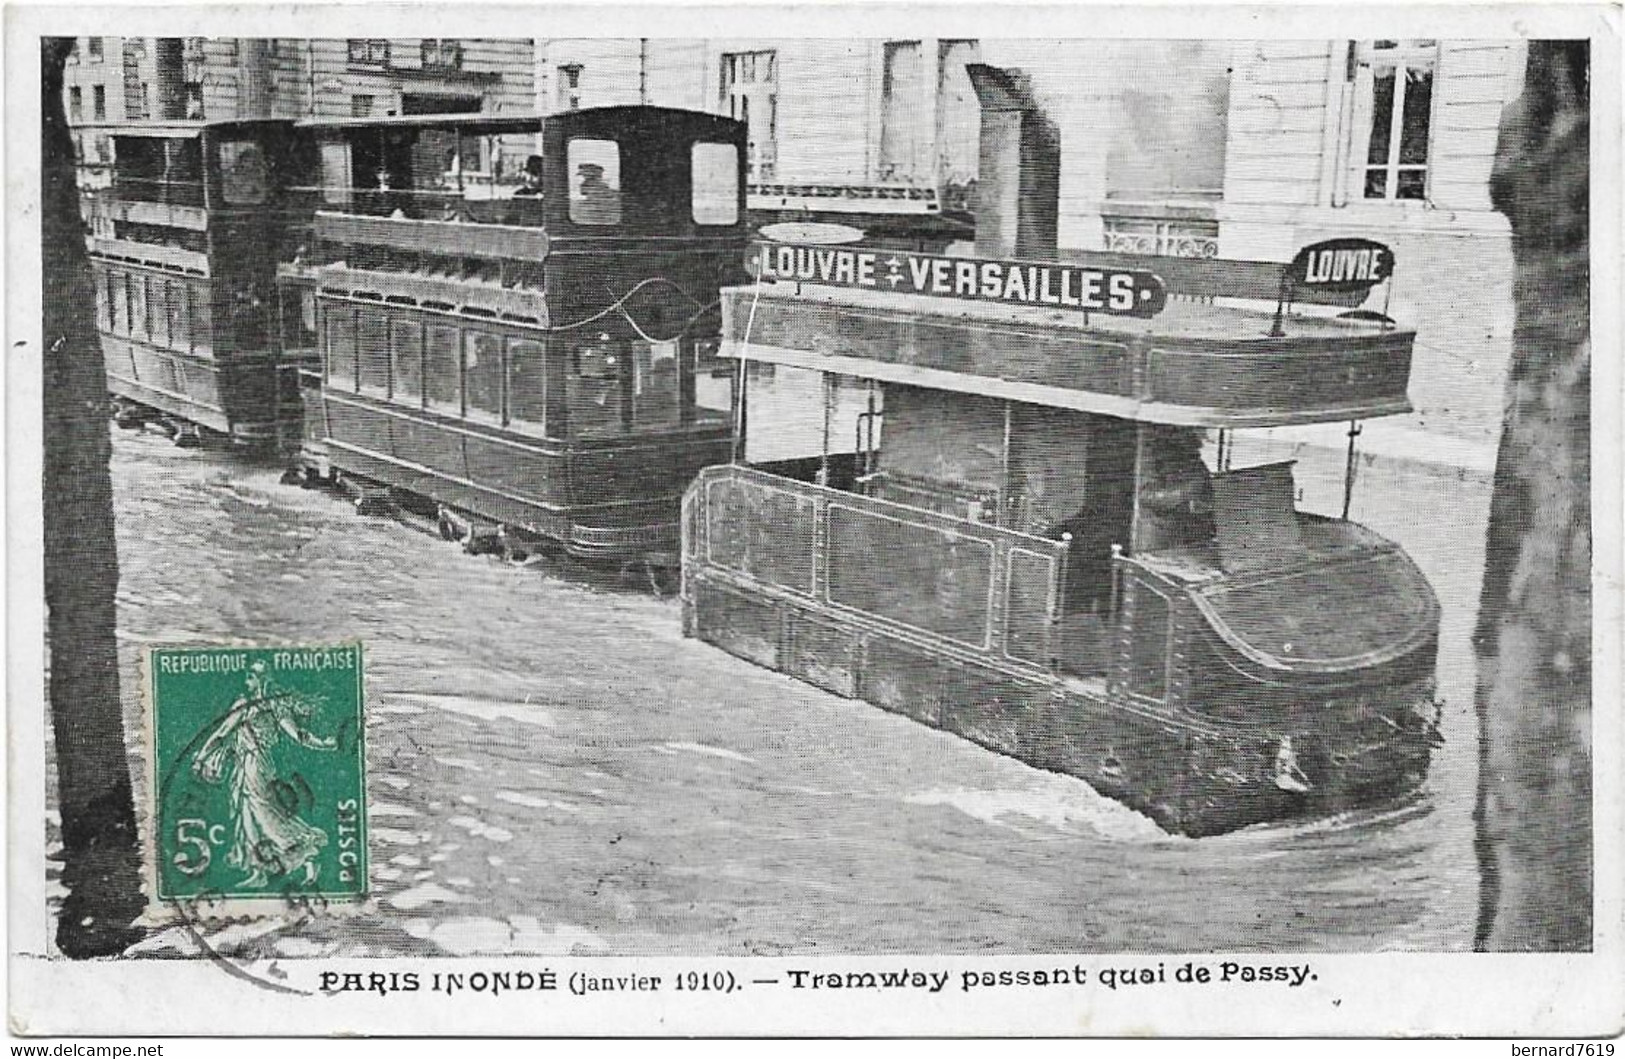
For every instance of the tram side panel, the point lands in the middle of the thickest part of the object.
(158, 342)
(958, 625)
(584, 434)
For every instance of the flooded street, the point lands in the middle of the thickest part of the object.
(554, 769)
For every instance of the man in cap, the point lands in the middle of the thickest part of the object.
(595, 202)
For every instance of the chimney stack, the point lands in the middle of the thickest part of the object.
(1019, 173)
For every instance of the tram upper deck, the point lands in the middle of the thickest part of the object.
(517, 316)
(183, 245)
(1202, 360)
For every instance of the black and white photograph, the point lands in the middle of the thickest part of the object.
(814, 521)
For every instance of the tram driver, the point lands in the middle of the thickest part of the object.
(595, 201)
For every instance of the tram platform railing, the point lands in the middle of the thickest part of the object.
(958, 588)
(451, 238)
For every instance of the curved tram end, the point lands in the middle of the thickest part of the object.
(1041, 557)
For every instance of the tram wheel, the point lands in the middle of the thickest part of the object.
(664, 581)
(128, 415)
(514, 548)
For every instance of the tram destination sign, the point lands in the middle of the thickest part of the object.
(1118, 292)
(1341, 265)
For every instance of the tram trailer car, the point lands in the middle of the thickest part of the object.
(538, 357)
(183, 248)
(1037, 556)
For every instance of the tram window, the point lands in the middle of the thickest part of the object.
(298, 318)
(595, 181)
(715, 178)
(713, 383)
(104, 301)
(442, 370)
(372, 352)
(595, 393)
(121, 303)
(157, 311)
(180, 323)
(243, 179)
(248, 320)
(341, 348)
(482, 368)
(183, 172)
(406, 362)
(655, 385)
(1148, 653)
(336, 174)
(527, 386)
(200, 301)
(138, 306)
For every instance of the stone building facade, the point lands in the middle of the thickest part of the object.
(1198, 148)
(1391, 140)
(115, 79)
(1251, 150)
(820, 111)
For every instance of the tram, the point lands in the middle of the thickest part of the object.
(1029, 548)
(517, 317)
(183, 247)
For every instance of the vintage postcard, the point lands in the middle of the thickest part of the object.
(927, 520)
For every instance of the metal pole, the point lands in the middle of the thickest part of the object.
(829, 399)
(738, 451)
(1348, 468)
(869, 441)
(1001, 516)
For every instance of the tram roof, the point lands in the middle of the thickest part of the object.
(181, 129)
(488, 124)
(1195, 364)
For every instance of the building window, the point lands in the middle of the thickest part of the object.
(369, 51)
(76, 104)
(94, 48)
(98, 102)
(194, 101)
(360, 106)
(750, 92)
(1396, 92)
(569, 87)
(442, 54)
(902, 115)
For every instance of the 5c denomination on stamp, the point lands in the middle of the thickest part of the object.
(258, 774)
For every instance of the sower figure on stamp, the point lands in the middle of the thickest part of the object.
(268, 838)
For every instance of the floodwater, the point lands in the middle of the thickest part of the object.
(554, 769)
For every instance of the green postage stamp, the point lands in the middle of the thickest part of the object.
(258, 774)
